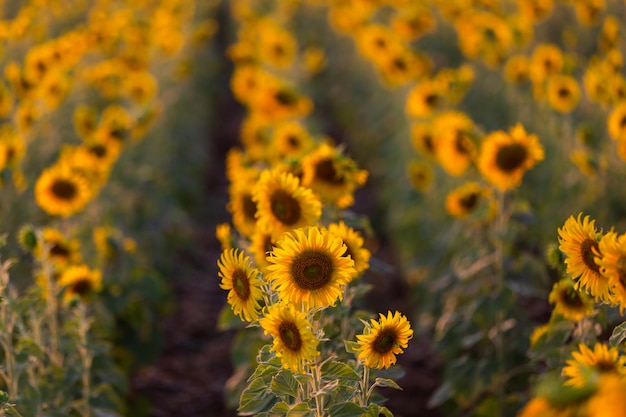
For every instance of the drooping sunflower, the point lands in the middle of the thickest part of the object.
(504, 158)
(79, 282)
(471, 200)
(616, 122)
(569, 302)
(579, 242)
(612, 262)
(586, 364)
(294, 341)
(61, 192)
(283, 204)
(241, 281)
(563, 92)
(332, 175)
(354, 245)
(383, 339)
(308, 267)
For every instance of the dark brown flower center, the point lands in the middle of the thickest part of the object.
(431, 100)
(469, 201)
(98, 150)
(462, 143)
(249, 207)
(622, 122)
(511, 157)
(64, 189)
(587, 254)
(293, 141)
(290, 336)
(384, 341)
(285, 208)
(312, 270)
(285, 98)
(81, 287)
(241, 284)
(59, 251)
(571, 297)
(399, 64)
(325, 171)
(563, 93)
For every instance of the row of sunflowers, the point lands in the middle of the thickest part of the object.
(491, 136)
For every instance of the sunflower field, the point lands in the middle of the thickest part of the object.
(314, 208)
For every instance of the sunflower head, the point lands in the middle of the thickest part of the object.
(79, 282)
(586, 364)
(383, 339)
(241, 281)
(62, 192)
(569, 302)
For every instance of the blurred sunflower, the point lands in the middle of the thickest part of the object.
(6, 101)
(583, 369)
(504, 158)
(354, 245)
(563, 92)
(423, 140)
(414, 21)
(612, 262)
(568, 302)
(276, 46)
(579, 242)
(453, 133)
(261, 244)
(294, 342)
(616, 122)
(608, 400)
(241, 281)
(242, 207)
(79, 282)
(588, 12)
(420, 175)
(62, 251)
(291, 140)
(383, 339)
(425, 98)
(332, 175)
(516, 69)
(308, 267)
(224, 236)
(85, 121)
(535, 10)
(283, 204)
(471, 199)
(546, 60)
(61, 192)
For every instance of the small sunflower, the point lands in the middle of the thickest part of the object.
(612, 262)
(608, 400)
(587, 363)
(563, 93)
(579, 242)
(504, 158)
(291, 140)
(354, 245)
(61, 192)
(423, 140)
(420, 175)
(568, 302)
(261, 244)
(516, 69)
(616, 122)
(242, 207)
(241, 281)
(62, 251)
(294, 341)
(80, 282)
(308, 267)
(453, 133)
(471, 199)
(381, 341)
(283, 204)
(224, 236)
(426, 98)
(546, 60)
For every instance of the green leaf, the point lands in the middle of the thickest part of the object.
(619, 334)
(255, 398)
(386, 382)
(280, 407)
(348, 409)
(338, 370)
(300, 410)
(285, 383)
(352, 347)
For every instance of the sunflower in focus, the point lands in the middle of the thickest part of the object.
(332, 175)
(583, 369)
(79, 282)
(294, 341)
(61, 192)
(383, 339)
(241, 281)
(563, 93)
(283, 204)
(471, 199)
(354, 245)
(504, 158)
(579, 242)
(308, 267)
(569, 302)
(612, 262)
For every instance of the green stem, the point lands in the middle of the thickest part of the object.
(317, 385)
(365, 386)
(85, 356)
(498, 288)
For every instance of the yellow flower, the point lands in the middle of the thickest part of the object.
(291, 140)
(420, 175)
(423, 140)
(62, 251)
(609, 399)
(61, 192)
(504, 158)
(283, 204)
(294, 342)
(568, 302)
(563, 93)
(241, 281)
(223, 235)
(471, 199)
(453, 131)
(585, 365)
(617, 122)
(80, 282)
(612, 262)
(425, 98)
(383, 340)
(242, 207)
(516, 69)
(578, 240)
(354, 245)
(308, 267)
(261, 244)
(546, 60)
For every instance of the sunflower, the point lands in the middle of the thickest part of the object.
(62, 251)
(283, 204)
(471, 199)
(85, 121)
(242, 207)
(80, 282)
(612, 262)
(589, 11)
(291, 140)
(452, 131)
(332, 175)
(504, 158)
(516, 69)
(413, 22)
(425, 98)
(294, 341)
(563, 93)
(308, 267)
(381, 341)
(261, 244)
(241, 281)
(420, 175)
(546, 60)
(569, 302)
(423, 140)
(616, 122)
(402, 66)
(61, 192)
(578, 240)
(276, 46)
(587, 363)
(224, 236)
(608, 400)
(354, 245)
